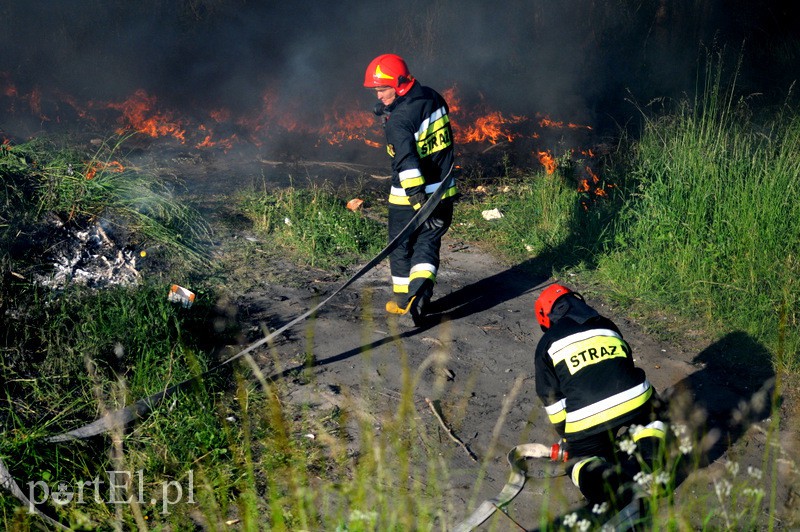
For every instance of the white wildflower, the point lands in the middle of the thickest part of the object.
(571, 519)
(679, 429)
(685, 446)
(754, 472)
(723, 489)
(600, 509)
(634, 429)
(756, 493)
(583, 525)
(628, 446)
(645, 480)
(662, 477)
(733, 468)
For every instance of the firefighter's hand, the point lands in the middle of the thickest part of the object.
(433, 223)
(418, 200)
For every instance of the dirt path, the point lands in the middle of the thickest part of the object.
(483, 379)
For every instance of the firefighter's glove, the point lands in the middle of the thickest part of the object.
(418, 200)
(433, 223)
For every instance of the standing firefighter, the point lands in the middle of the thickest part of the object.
(419, 140)
(591, 390)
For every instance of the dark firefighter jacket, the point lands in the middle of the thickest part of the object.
(585, 374)
(420, 141)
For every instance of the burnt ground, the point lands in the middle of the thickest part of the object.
(475, 363)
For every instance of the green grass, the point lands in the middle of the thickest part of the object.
(710, 229)
(313, 226)
(44, 178)
(251, 458)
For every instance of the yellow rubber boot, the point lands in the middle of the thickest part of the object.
(393, 308)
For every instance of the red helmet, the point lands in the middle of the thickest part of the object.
(544, 304)
(389, 70)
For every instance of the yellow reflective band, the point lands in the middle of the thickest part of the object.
(558, 417)
(557, 412)
(608, 414)
(408, 174)
(656, 429)
(425, 126)
(576, 471)
(450, 192)
(400, 284)
(430, 127)
(438, 137)
(588, 351)
(413, 182)
(394, 199)
(650, 433)
(424, 274)
(398, 197)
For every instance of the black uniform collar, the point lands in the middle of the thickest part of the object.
(410, 94)
(573, 307)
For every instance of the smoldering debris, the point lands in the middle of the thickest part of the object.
(88, 256)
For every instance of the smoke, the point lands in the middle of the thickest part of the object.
(574, 60)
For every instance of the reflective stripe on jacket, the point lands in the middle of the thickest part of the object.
(586, 378)
(420, 141)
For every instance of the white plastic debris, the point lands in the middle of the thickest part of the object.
(492, 214)
(179, 294)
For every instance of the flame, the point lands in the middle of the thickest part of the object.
(138, 114)
(547, 122)
(548, 161)
(352, 125)
(491, 127)
(452, 99)
(593, 185)
(98, 166)
(276, 115)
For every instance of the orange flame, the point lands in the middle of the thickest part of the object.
(352, 125)
(546, 122)
(98, 166)
(138, 114)
(491, 127)
(548, 161)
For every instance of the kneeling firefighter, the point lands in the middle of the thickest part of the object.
(419, 140)
(599, 402)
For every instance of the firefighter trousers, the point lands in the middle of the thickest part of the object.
(415, 262)
(606, 470)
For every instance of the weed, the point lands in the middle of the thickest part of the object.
(313, 226)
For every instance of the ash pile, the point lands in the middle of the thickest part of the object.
(89, 255)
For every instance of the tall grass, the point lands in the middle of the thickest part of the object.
(255, 460)
(41, 177)
(711, 229)
(313, 226)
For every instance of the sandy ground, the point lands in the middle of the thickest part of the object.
(476, 364)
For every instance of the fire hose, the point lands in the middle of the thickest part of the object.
(130, 413)
(516, 481)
